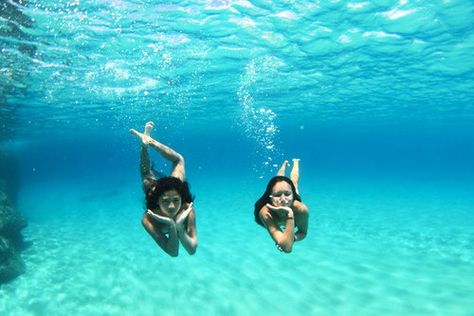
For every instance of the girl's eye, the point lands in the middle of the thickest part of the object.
(278, 194)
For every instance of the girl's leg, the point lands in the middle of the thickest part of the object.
(282, 170)
(145, 164)
(165, 152)
(169, 154)
(295, 173)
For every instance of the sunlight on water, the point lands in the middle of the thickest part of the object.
(329, 61)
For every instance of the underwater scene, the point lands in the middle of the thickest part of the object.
(375, 99)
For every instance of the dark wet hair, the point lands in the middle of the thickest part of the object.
(160, 186)
(265, 198)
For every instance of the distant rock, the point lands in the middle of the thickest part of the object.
(11, 240)
(11, 264)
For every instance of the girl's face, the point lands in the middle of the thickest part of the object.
(170, 202)
(281, 194)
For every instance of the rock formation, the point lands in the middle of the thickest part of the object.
(11, 240)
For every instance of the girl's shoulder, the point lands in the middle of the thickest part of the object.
(300, 206)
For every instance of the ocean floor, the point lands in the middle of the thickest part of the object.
(372, 249)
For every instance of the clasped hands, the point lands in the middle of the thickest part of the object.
(284, 211)
(178, 222)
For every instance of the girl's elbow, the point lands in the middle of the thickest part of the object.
(173, 253)
(300, 237)
(193, 248)
(192, 251)
(287, 249)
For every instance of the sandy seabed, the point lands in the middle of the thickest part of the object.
(367, 253)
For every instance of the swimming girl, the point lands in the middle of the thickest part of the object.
(170, 216)
(280, 209)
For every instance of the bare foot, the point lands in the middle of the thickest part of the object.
(148, 128)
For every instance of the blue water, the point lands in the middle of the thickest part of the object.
(376, 98)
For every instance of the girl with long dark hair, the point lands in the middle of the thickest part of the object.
(170, 216)
(281, 211)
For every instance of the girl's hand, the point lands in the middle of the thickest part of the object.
(281, 210)
(182, 216)
(160, 218)
(266, 215)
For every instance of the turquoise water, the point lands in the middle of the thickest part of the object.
(374, 97)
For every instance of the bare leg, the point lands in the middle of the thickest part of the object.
(145, 166)
(165, 152)
(295, 173)
(282, 170)
(171, 155)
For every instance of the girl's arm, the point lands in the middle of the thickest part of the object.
(187, 233)
(302, 217)
(283, 239)
(168, 243)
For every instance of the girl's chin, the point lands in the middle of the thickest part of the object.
(168, 213)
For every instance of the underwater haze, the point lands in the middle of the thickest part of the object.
(375, 97)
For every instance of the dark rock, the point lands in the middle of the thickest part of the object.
(10, 221)
(11, 264)
(11, 240)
